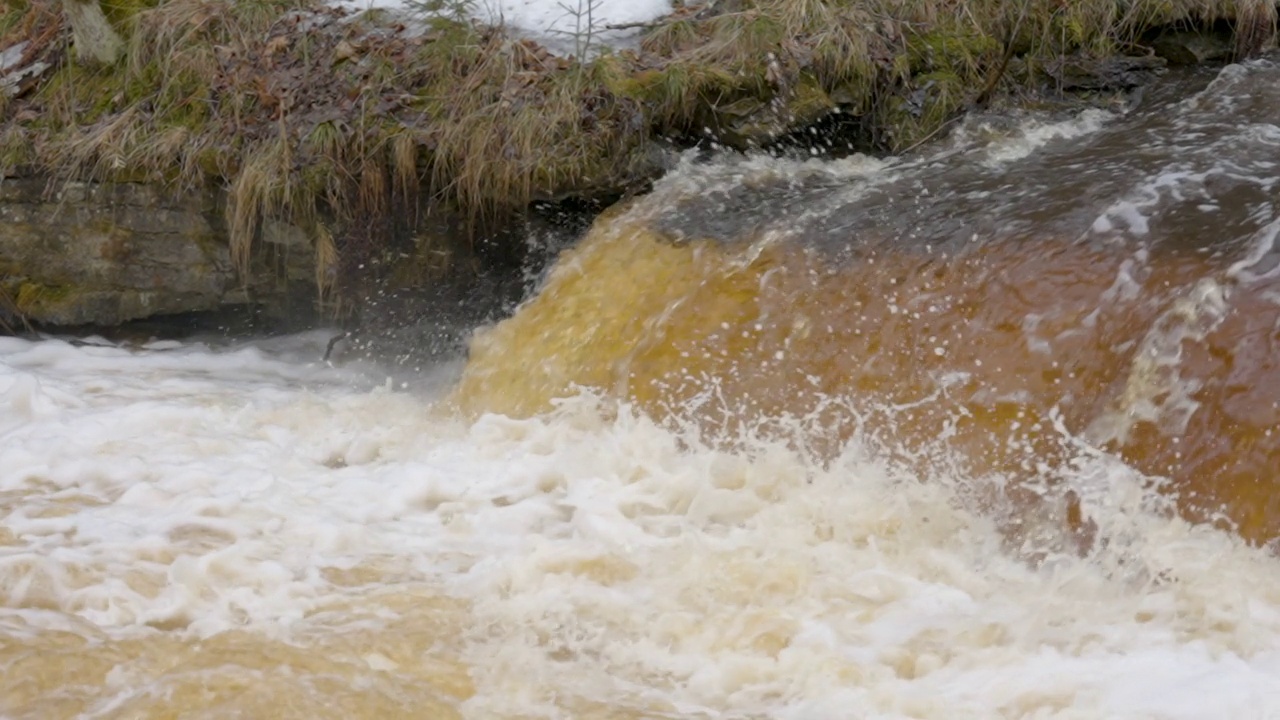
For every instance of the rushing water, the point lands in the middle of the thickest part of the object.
(982, 434)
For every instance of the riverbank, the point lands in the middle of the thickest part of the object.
(392, 143)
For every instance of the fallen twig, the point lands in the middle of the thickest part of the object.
(936, 131)
(985, 96)
(636, 25)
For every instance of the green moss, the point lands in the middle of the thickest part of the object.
(809, 102)
(14, 12)
(906, 121)
(964, 53)
(178, 96)
(15, 150)
(84, 94)
(675, 94)
(752, 121)
(37, 299)
(121, 12)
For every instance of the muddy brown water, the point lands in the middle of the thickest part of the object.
(1119, 288)
(976, 434)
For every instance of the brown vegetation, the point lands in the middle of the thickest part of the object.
(342, 123)
(11, 319)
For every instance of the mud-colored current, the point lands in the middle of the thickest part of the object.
(987, 433)
(1119, 289)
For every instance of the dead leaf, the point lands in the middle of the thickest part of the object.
(344, 51)
(277, 45)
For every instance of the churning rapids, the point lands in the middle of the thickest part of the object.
(988, 433)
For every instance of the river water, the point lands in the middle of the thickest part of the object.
(985, 433)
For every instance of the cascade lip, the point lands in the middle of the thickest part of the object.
(1120, 278)
(1183, 172)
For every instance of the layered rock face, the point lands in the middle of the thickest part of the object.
(104, 254)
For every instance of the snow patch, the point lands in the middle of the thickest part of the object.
(568, 27)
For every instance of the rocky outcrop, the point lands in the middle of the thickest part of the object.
(1191, 47)
(104, 254)
(1122, 72)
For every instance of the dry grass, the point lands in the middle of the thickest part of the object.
(326, 264)
(1255, 26)
(342, 125)
(10, 316)
(264, 187)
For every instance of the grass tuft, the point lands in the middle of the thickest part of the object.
(341, 123)
(12, 320)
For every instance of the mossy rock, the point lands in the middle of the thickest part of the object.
(959, 53)
(67, 305)
(45, 301)
(1192, 47)
(913, 117)
(752, 122)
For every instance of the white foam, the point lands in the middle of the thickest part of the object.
(1034, 133)
(1261, 247)
(608, 559)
